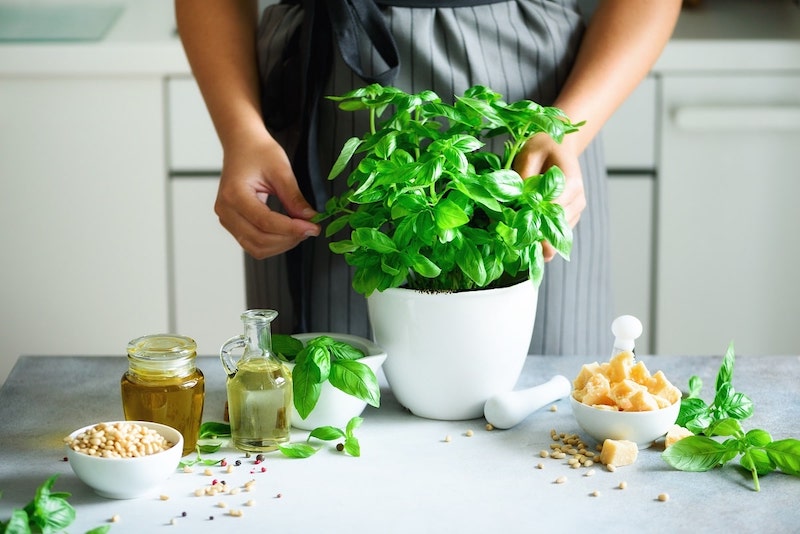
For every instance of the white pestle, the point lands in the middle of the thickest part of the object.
(508, 409)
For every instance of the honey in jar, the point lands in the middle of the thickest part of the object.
(164, 385)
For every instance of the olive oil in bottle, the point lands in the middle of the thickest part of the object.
(259, 387)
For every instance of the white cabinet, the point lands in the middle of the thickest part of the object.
(81, 215)
(208, 266)
(208, 263)
(631, 212)
(193, 144)
(629, 141)
(728, 246)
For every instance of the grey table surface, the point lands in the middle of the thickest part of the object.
(410, 478)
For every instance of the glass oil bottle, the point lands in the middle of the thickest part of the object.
(259, 386)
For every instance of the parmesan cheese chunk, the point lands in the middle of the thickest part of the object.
(621, 384)
(675, 434)
(619, 452)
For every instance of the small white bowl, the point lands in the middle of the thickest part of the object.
(641, 427)
(127, 478)
(334, 407)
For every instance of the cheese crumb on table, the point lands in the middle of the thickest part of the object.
(619, 452)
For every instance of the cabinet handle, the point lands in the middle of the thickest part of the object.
(738, 118)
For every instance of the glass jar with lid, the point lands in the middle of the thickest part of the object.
(164, 385)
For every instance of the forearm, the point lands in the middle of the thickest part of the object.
(218, 37)
(622, 42)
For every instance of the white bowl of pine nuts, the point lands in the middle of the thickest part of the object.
(124, 459)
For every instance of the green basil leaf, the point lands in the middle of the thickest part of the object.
(695, 386)
(758, 438)
(695, 453)
(471, 263)
(305, 389)
(342, 247)
(297, 450)
(352, 446)
(504, 185)
(356, 379)
(424, 266)
(757, 460)
(286, 346)
(691, 409)
(350, 147)
(99, 530)
(352, 424)
(327, 433)
(725, 427)
(785, 454)
(447, 214)
(212, 430)
(725, 374)
(17, 524)
(345, 351)
(374, 240)
(319, 362)
(209, 448)
(739, 406)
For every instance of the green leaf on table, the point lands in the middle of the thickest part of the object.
(297, 450)
(785, 454)
(326, 433)
(695, 453)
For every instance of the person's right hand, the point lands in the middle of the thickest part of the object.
(251, 172)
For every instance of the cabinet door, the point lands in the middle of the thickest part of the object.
(728, 247)
(82, 218)
(208, 265)
(193, 143)
(632, 219)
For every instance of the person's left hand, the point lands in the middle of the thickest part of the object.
(539, 154)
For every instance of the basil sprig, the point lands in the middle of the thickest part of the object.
(760, 455)
(49, 511)
(325, 359)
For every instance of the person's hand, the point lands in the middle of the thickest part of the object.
(539, 154)
(251, 172)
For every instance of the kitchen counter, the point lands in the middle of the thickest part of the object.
(718, 35)
(410, 478)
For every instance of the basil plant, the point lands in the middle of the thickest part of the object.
(429, 207)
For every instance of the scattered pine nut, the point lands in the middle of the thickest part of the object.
(489, 426)
(468, 433)
(589, 473)
(611, 467)
(553, 408)
(235, 513)
(543, 453)
(115, 518)
(199, 492)
(663, 497)
(595, 493)
(222, 504)
(208, 472)
(540, 466)
(250, 502)
(173, 521)
(623, 485)
(560, 480)
(447, 439)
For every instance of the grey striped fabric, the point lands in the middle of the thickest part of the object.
(521, 49)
